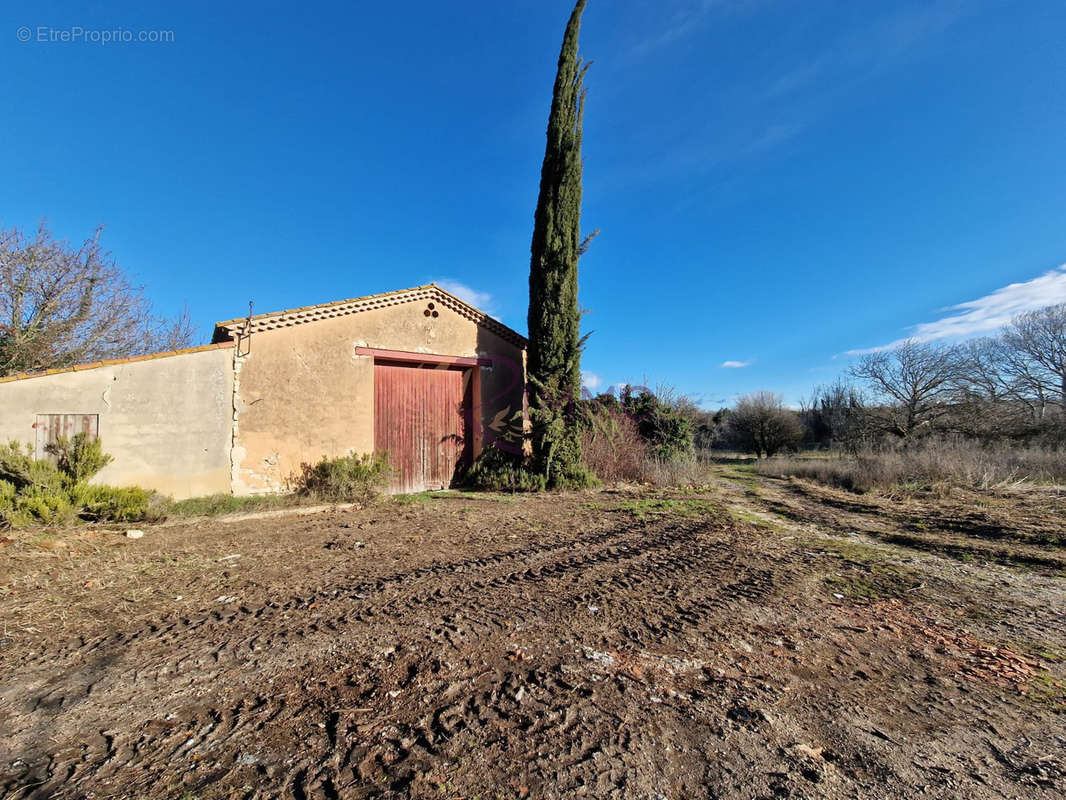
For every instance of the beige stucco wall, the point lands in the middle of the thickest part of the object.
(303, 392)
(166, 421)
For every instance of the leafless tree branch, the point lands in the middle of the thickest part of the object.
(62, 305)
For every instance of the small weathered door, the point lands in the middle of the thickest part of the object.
(51, 426)
(420, 419)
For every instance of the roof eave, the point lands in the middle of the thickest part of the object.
(225, 331)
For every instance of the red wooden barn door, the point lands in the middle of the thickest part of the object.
(420, 419)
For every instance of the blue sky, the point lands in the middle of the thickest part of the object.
(779, 184)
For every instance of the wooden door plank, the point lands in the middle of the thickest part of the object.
(421, 418)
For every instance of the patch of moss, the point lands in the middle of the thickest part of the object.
(858, 552)
(1048, 691)
(469, 494)
(967, 552)
(750, 518)
(876, 585)
(415, 498)
(1050, 654)
(217, 504)
(868, 573)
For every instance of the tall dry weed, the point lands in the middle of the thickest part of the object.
(933, 464)
(612, 447)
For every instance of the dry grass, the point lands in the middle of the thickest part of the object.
(935, 464)
(612, 448)
(680, 471)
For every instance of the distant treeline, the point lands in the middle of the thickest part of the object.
(1005, 393)
(1006, 388)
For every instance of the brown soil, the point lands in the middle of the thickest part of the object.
(749, 640)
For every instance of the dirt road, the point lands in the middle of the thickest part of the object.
(612, 644)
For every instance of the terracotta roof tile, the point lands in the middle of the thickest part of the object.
(112, 361)
(337, 308)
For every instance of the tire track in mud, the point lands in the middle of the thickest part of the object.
(667, 559)
(374, 599)
(466, 601)
(175, 628)
(371, 598)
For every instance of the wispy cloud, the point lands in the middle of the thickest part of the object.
(689, 17)
(735, 364)
(986, 313)
(776, 133)
(810, 89)
(879, 37)
(479, 299)
(591, 381)
(763, 109)
(863, 51)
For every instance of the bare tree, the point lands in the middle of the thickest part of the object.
(988, 403)
(1036, 353)
(1028, 383)
(981, 372)
(62, 305)
(914, 380)
(836, 416)
(759, 423)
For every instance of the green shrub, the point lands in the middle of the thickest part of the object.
(79, 457)
(578, 477)
(7, 497)
(31, 492)
(117, 503)
(638, 435)
(664, 429)
(22, 470)
(15, 464)
(661, 425)
(36, 492)
(354, 478)
(497, 471)
(40, 506)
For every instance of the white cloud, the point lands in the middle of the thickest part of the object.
(988, 313)
(481, 300)
(735, 364)
(591, 381)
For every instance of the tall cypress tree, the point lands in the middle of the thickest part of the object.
(554, 360)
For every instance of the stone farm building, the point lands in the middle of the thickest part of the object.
(417, 372)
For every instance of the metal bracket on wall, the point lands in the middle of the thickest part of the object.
(244, 339)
